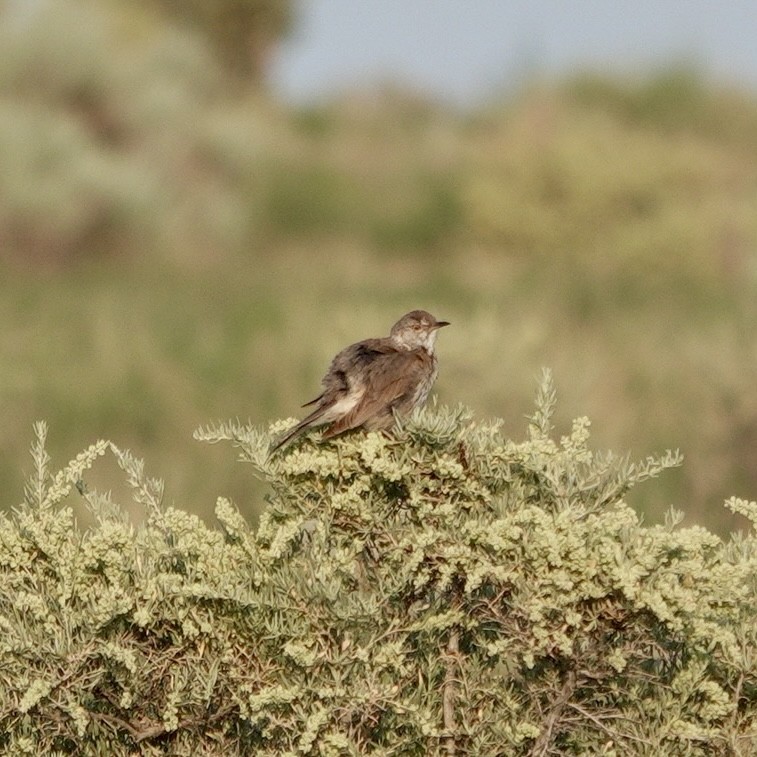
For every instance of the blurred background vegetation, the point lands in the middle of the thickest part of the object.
(176, 246)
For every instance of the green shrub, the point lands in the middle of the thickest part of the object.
(443, 591)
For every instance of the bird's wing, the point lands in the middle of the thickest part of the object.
(388, 375)
(344, 386)
(346, 367)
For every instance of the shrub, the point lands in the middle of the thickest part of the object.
(442, 591)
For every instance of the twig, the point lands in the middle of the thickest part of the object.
(616, 736)
(145, 731)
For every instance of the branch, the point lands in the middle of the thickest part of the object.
(541, 747)
(450, 690)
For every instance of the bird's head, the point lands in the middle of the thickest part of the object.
(416, 329)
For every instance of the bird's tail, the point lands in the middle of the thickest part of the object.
(303, 425)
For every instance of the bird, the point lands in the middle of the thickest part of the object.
(370, 382)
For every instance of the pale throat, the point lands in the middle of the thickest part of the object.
(414, 342)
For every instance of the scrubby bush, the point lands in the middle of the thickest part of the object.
(441, 591)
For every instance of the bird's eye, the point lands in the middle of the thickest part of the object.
(416, 326)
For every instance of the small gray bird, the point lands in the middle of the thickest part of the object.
(369, 382)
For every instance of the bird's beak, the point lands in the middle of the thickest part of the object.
(439, 324)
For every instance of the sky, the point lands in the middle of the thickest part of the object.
(464, 51)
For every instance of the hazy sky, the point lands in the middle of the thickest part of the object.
(464, 50)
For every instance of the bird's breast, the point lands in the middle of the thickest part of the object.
(426, 382)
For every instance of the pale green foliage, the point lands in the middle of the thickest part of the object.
(441, 590)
